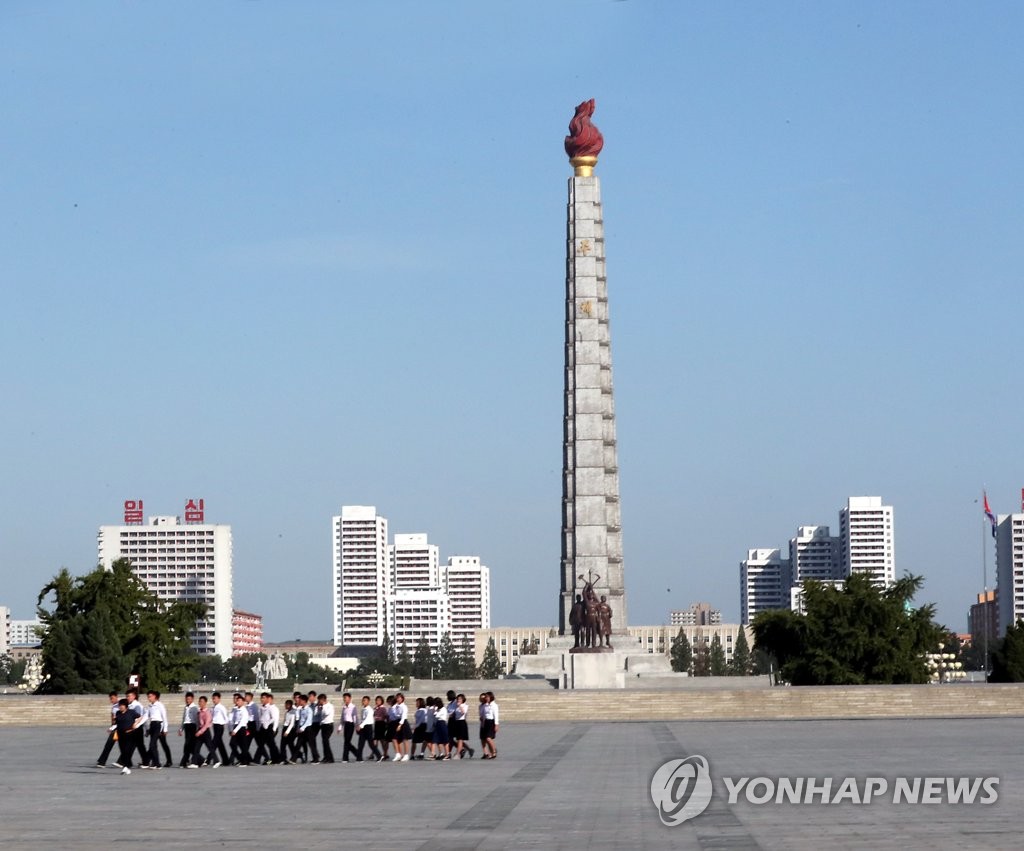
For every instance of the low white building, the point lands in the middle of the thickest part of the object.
(417, 613)
(26, 633)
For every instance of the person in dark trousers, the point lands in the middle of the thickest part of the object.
(189, 725)
(326, 726)
(254, 725)
(156, 722)
(221, 719)
(124, 729)
(347, 726)
(240, 732)
(204, 737)
(138, 732)
(111, 739)
(366, 734)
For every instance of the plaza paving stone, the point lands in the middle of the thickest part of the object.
(555, 785)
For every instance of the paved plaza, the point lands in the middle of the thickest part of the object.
(555, 785)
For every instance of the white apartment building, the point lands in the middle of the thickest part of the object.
(1010, 569)
(361, 576)
(765, 580)
(509, 642)
(866, 530)
(417, 613)
(815, 554)
(414, 562)
(180, 561)
(26, 633)
(468, 585)
(5, 630)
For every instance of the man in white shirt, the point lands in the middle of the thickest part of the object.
(240, 732)
(139, 729)
(326, 726)
(221, 719)
(347, 727)
(254, 727)
(156, 722)
(189, 725)
(269, 721)
(366, 731)
(109, 745)
(307, 729)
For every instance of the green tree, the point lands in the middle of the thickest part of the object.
(211, 669)
(447, 664)
(11, 671)
(490, 666)
(1008, 656)
(681, 653)
(701, 658)
(716, 658)
(740, 664)
(857, 634)
(403, 664)
(106, 624)
(423, 659)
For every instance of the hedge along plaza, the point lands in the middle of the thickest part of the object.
(581, 784)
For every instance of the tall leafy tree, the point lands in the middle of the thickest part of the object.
(446, 661)
(681, 653)
(423, 659)
(716, 658)
(490, 665)
(105, 624)
(403, 664)
(701, 658)
(857, 634)
(739, 666)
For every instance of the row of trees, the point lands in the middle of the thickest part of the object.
(709, 660)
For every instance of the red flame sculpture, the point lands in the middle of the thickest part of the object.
(584, 139)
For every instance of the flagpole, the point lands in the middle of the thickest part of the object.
(984, 581)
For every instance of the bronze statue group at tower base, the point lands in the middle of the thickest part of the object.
(591, 621)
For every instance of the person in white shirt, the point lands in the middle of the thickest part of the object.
(188, 727)
(326, 726)
(460, 725)
(291, 720)
(307, 730)
(347, 727)
(429, 735)
(221, 719)
(488, 725)
(240, 732)
(139, 727)
(254, 728)
(442, 750)
(156, 722)
(401, 729)
(419, 729)
(366, 736)
(109, 745)
(269, 720)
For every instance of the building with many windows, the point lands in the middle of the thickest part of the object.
(26, 633)
(418, 613)
(866, 530)
(765, 580)
(177, 561)
(815, 554)
(467, 583)
(1010, 569)
(361, 576)
(414, 562)
(246, 633)
(699, 614)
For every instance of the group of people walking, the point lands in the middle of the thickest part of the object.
(382, 729)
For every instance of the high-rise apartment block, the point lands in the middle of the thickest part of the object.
(815, 554)
(362, 576)
(190, 561)
(414, 562)
(765, 580)
(1010, 569)
(402, 587)
(468, 586)
(699, 614)
(866, 529)
(983, 620)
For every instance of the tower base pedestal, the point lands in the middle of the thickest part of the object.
(597, 670)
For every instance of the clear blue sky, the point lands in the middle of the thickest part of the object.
(291, 256)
